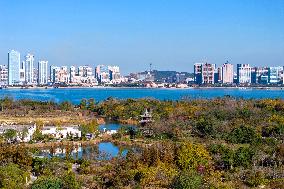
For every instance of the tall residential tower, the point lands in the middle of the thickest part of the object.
(13, 68)
(42, 72)
(227, 73)
(29, 69)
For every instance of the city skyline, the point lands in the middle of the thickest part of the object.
(24, 73)
(170, 35)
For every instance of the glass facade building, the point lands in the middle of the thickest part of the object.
(275, 74)
(243, 73)
(13, 68)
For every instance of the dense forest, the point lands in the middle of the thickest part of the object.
(192, 143)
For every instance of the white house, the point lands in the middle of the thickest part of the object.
(61, 132)
(24, 132)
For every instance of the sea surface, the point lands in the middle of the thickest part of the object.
(74, 95)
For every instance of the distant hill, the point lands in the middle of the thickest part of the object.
(162, 75)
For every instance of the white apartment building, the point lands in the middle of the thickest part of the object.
(42, 72)
(3, 75)
(275, 74)
(59, 74)
(243, 73)
(227, 70)
(207, 72)
(114, 74)
(22, 72)
(102, 74)
(72, 74)
(29, 69)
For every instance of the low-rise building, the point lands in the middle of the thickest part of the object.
(61, 132)
(24, 133)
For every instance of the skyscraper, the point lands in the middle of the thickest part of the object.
(29, 69)
(13, 67)
(227, 73)
(275, 74)
(42, 72)
(54, 74)
(243, 73)
(22, 73)
(72, 74)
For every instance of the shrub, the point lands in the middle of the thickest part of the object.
(188, 180)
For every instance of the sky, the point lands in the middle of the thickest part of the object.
(170, 34)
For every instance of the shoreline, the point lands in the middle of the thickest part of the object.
(155, 88)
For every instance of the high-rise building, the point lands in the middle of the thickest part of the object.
(282, 76)
(243, 73)
(63, 75)
(13, 68)
(207, 71)
(3, 75)
(35, 78)
(198, 73)
(218, 75)
(54, 78)
(42, 72)
(29, 69)
(102, 74)
(114, 74)
(204, 73)
(22, 73)
(227, 73)
(259, 75)
(275, 74)
(72, 74)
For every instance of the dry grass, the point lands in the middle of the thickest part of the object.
(46, 120)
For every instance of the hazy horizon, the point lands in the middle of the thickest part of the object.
(172, 35)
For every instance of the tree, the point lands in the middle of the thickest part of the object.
(66, 105)
(243, 135)
(90, 127)
(70, 182)
(39, 164)
(188, 180)
(24, 133)
(83, 104)
(6, 103)
(191, 156)
(10, 134)
(47, 182)
(11, 176)
(38, 136)
(205, 127)
(91, 104)
(243, 156)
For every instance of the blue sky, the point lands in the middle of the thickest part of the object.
(170, 34)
